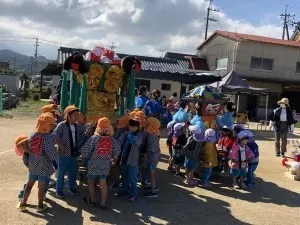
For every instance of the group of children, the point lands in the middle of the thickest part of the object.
(56, 147)
(129, 152)
(232, 150)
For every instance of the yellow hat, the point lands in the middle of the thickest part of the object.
(103, 125)
(21, 139)
(123, 122)
(48, 108)
(44, 123)
(69, 109)
(153, 126)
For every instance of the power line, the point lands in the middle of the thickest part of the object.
(208, 17)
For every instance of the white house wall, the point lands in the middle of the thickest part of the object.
(218, 47)
(156, 84)
(285, 60)
(12, 82)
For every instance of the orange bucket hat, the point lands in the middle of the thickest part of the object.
(44, 123)
(133, 121)
(48, 108)
(153, 126)
(18, 141)
(103, 125)
(141, 114)
(123, 122)
(69, 109)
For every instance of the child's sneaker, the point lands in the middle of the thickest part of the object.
(52, 183)
(132, 199)
(73, 192)
(21, 207)
(42, 209)
(20, 199)
(149, 189)
(243, 185)
(115, 185)
(150, 194)
(87, 201)
(206, 185)
(236, 186)
(60, 195)
(145, 184)
(177, 174)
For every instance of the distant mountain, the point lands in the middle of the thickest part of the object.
(26, 63)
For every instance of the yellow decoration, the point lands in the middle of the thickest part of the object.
(114, 72)
(241, 118)
(206, 124)
(94, 76)
(213, 124)
(113, 79)
(78, 76)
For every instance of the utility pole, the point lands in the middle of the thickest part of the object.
(112, 47)
(287, 20)
(208, 17)
(36, 53)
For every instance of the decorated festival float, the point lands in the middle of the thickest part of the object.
(99, 83)
(211, 101)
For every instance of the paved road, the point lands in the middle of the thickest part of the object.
(275, 200)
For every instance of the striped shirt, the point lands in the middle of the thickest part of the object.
(153, 150)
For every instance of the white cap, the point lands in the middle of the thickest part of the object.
(178, 126)
(194, 129)
(243, 134)
(210, 132)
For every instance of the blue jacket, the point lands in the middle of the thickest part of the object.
(152, 108)
(141, 101)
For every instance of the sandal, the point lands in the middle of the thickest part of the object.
(42, 209)
(87, 201)
(21, 207)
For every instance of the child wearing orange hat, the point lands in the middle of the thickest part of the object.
(152, 154)
(130, 143)
(99, 150)
(42, 156)
(68, 138)
(122, 127)
(22, 149)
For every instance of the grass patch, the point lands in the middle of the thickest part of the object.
(27, 109)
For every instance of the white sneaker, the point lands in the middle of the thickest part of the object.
(243, 185)
(235, 186)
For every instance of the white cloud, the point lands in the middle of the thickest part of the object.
(136, 26)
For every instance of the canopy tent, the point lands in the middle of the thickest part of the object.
(234, 83)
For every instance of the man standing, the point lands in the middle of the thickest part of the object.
(282, 118)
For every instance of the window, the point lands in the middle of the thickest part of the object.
(222, 63)
(140, 82)
(165, 87)
(261, 64)
(298, 67)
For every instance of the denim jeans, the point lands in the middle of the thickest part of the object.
(66, 165)
(206, 174)
(21, 193)
(129, 179)
(250, 174)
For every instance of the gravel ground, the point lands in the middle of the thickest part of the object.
(274, 200)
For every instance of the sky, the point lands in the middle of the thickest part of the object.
(139, 27)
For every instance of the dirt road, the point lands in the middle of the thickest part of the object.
(274, 200)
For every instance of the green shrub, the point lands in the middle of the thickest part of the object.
(35, 97)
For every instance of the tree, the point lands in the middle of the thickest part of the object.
(52, 68)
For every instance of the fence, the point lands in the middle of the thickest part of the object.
(1, 103)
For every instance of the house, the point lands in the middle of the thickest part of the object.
(264, 62)
(296, 34)
(174, 72)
